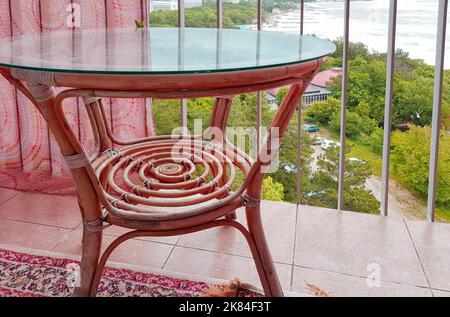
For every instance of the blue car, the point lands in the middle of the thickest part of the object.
(311, 128)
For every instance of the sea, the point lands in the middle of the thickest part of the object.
(416, 25)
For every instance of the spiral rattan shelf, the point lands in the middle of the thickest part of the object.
(169, 178)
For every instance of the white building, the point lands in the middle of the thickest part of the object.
(164, 5)
(193, 3)
(316, 90)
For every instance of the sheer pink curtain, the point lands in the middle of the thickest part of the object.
(29, 156)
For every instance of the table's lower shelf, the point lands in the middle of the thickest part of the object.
(170, 176)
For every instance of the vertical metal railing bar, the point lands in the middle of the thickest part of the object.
(219, 59)
(299, 120)
(183, 102)
(302, 16)
(219, 14)
(181, 16)
(344, 106)
(437, 108)
(146, 11)
(259, 94)
(390, 69)
(146, 60)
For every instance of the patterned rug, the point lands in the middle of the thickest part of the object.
(28, 275)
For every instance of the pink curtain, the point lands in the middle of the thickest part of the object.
(29, 156)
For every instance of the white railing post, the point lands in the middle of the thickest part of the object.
(344, 105)
(219, 14)
(183, 102)
(145, 11)
(258, 94)
(390, 69)
(437, 108)
(219, 33)
(299, 120)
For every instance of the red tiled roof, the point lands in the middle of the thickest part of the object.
(312, 88)
(324, 77)
(320, 80)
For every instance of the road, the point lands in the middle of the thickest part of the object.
(401, 202)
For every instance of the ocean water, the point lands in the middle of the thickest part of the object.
(416, 24)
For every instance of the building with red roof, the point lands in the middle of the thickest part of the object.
(316, 91)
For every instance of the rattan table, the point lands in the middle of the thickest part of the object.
(163, 185)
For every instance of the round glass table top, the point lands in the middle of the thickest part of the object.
(158, 50)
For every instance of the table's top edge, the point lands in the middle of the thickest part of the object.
(324, 48)
(160, 73)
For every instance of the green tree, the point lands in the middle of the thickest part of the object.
(355, 50)
(323, 111)
(167, 116)
(282, 5)
(234, 14)
(375, 140)
(413, 100)
(411, 159)
(366, 83)
(413, 87)
(280, 95)
(355, 125)
(272, 190)
(356, 196)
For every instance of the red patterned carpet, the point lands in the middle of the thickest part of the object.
(29, 275)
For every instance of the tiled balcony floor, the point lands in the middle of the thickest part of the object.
(330, 249)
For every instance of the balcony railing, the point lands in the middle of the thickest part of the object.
(390, 69)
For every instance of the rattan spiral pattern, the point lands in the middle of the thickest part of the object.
(160, 176)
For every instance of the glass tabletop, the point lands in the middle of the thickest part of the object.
(159, 50)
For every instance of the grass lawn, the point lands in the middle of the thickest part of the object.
(443, 214)
(364, 152)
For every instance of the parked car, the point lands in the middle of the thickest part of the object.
(356, 160)
(318, 141)
(315, 194)
(311, 128)
(326, 144)
(289, 168)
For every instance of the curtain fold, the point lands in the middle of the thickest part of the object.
(29, 156)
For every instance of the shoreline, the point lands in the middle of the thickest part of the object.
(368, 25)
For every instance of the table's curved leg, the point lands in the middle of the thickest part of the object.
(41, 92)
(89, 203)
(92, 242)
(263, 258)
(92, 105)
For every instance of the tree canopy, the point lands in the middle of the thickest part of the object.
(234, 14)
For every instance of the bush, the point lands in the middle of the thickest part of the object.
(361, 200)
(323, 111)
(354, 125)
(375, 140)
(411, 159)
(363, 109)
(272, 190)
